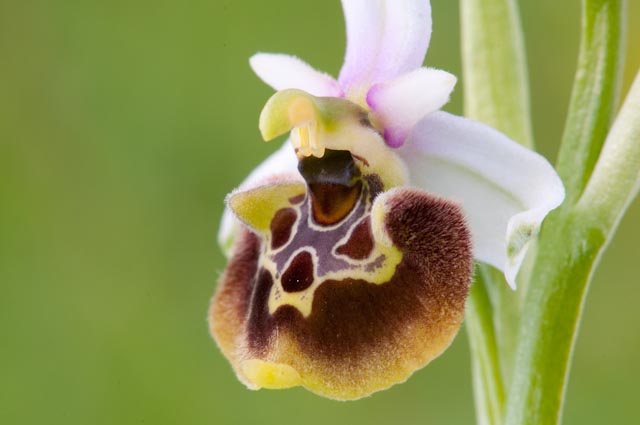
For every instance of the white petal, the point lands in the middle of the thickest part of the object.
(401, 103)
(288, 72)
(282, 161)
(385, 38)
(505, 189)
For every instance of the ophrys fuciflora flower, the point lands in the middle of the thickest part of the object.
(351, 248)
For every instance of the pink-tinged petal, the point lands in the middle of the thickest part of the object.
(364, 20)
(399, 104)
(505, 189)
(406, 38)
(282, 162)
(288, 72)
(385, 38)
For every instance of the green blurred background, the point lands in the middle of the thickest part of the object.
(123, 124)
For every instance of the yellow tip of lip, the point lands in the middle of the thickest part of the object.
(270, 375)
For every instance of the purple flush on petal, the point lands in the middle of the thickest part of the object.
(394, 137)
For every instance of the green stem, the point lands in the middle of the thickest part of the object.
(616, 178)
(595, 93)
(506, 311)
(494, 67)
(487, 376)
(552, 311)
(573, 240)
(496, 93)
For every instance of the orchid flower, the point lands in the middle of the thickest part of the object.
(351, 247)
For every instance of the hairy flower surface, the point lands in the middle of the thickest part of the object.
(351, 248)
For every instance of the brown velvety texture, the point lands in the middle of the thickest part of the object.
(360, 337)
(228, 311)
(281, 227)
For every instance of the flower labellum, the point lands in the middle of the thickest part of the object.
(351, 248)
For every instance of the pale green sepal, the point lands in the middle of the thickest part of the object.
(291, 108)
(257, 207)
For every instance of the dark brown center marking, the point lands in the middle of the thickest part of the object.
(334, 184)
(332, 202)
(360, 243)
(299, 274)
(281, 227)
(259, 329)
(297, 199)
